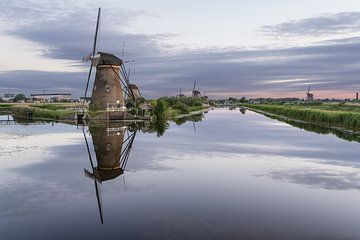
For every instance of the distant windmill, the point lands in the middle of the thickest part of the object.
(180, 93)
(195, 93)
(309, 96)
(111, 80)
(133, 89)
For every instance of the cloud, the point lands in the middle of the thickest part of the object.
(159, 69)
(326, 67)
(329, 24)
(36, 81)
(68, 32)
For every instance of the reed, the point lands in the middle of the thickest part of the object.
(329, 116)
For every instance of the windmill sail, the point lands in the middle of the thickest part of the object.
(92, 176)
(93, 52)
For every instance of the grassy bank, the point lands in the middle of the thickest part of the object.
(346, 135)
(53, 111)
(164, 109)
(331, 115)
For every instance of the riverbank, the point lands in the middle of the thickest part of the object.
(329, 115)
(67, 111)
(42, 111)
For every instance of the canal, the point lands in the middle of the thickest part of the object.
(229, 176)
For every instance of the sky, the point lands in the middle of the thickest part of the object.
(251, 48)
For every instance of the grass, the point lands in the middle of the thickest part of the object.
(334, 115)
(53, 111)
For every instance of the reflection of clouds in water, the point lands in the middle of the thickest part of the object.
(32, 149)
(10, 150)
(270, 147)
(330, 179)
(144, 156)
(26, 195)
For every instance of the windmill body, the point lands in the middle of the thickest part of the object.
(107, 90)
(309, 96)
(108, 149)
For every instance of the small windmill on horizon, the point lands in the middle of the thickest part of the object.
(195, 93)
(309, 95)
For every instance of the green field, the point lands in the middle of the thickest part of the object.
(332, 115)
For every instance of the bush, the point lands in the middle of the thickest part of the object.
(197, 104)
(183, 108)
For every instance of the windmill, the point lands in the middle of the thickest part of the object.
(134, 90)
(309, 96)
(112, 154)
(111, 82)
(195, 93)
(242, 110)
(180, 93)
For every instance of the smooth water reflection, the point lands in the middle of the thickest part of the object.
(229, 176)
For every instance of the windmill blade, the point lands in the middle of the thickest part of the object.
(123, 50)
(88, 150)
(194, 85)
(96, 32)
(124, 183)
(87, 58)
(87, 82)
(89, 174)
(93, 52)
(99, 201)
(309, 89)
(92, 176)
(125, 74)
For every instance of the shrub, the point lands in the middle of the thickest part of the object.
(183, 108)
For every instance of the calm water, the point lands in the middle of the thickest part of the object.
(230, 176)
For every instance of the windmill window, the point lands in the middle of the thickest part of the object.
(107, 88)
(108, 147)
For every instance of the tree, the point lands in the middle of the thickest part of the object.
(19, 97)
(243, 100)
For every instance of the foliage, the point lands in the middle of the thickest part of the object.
(182, 107)
(160, 109)
(19, 97)
(173, 106)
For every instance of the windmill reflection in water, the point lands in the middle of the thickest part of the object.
(112, 146)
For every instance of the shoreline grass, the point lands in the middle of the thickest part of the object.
(347, 117)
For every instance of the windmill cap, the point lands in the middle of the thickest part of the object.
(108, 59)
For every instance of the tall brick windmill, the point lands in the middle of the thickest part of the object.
(111, 83)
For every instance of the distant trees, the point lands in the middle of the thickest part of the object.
(19, 97)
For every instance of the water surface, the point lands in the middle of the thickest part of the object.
(230, 176)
